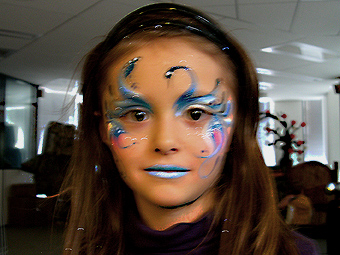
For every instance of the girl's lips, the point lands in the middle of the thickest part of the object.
(166, 171)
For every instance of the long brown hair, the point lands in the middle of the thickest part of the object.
(100, 199)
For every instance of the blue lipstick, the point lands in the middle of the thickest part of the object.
(167, 171)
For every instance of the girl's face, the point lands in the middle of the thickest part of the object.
(168, 115)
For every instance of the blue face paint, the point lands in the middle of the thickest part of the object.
(128, 68)
(131, 101)
(218, 107)
(187, 94)
(209, 101)
(214, 104)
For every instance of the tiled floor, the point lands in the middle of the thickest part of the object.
(43, 240)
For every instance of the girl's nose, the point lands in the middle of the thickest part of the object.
(166, 151)
(166, 137)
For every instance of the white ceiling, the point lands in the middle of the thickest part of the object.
(45, 39)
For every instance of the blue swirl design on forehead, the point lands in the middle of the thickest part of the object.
(128, 68)
(187, 95)
(221, 109)
(126, 71)
(131, 99)
(171, 71)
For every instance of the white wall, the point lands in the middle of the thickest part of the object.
(314, 112)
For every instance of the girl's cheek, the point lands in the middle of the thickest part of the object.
(125, 141)
(119, 138)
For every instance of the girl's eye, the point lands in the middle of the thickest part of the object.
(137, 115)
(196, 114)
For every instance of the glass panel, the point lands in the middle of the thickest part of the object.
(19, 122)
(268, 152)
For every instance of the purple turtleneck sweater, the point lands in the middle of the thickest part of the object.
(187, 238)
(177, 240)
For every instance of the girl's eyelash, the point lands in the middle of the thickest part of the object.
(124, 112)
(205, 108)
(120, 112)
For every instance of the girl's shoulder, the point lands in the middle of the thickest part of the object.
(306, 246)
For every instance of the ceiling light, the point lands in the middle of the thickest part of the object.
(265, 85)
(302, 51)
(264, 71)
(63, 92)
(269, 50)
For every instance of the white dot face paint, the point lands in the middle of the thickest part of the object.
(169, 124)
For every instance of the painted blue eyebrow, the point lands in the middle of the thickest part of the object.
(188, 97)
(222, 109)
(123, 106)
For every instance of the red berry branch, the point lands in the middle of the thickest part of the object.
(285, 136)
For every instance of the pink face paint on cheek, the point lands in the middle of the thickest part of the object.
(212, 160)
(218, 137)
(118, 137)
(218, 133)
(200, 142)
(125, 141)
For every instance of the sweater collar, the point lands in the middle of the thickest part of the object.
(182, 238)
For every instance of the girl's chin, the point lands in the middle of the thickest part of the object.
(178, 205)
(171, 204)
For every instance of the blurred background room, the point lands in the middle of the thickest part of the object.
(295, 45)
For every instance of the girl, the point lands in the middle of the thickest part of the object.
(166, 160)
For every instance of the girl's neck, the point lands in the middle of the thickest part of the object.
(160, 218)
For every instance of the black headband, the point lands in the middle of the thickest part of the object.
(172, 15)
